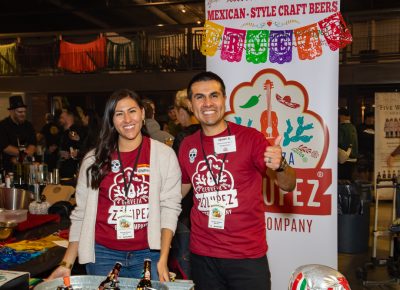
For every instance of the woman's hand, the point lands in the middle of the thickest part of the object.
(163, 272)
(59, 272)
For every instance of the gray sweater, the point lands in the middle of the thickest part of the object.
(155, 132)
(164, 201)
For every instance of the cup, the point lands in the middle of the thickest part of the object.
(56, 176)
(172, 276)
(51, 178)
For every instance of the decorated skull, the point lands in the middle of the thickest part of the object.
(317, 277)
(115, 165)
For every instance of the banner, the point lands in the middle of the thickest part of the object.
(279, 61)
(387, 140)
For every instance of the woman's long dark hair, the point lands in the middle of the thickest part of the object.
(108, 138)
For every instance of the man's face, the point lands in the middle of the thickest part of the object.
(172, 114)
(64, 120)
(208, 103)
(18, 115)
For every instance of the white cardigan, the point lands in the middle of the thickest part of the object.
(164, 201)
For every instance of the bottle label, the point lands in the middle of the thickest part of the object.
(125, 226)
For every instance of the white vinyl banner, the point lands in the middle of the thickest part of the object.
(279, 61)
(387, 139)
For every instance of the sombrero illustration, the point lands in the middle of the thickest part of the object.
(287, 101)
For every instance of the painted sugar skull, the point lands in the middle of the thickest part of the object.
(317, 277)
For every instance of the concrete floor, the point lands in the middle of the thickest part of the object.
(349, 264)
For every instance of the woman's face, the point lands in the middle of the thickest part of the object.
(128, 119)
(181, 115)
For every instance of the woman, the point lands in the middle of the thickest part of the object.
(185, 117)
(128, 197)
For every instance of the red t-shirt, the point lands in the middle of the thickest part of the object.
(240, 185)
(112, 200)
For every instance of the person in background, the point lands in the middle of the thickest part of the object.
(173, 125)
(180, 253)
(347, 138)
(128, 197)
(152, 126)
(225, 164)
(50, 133)
(185, 116)
(70, 144)
(18, 137)
(91, 126)
(366, 140)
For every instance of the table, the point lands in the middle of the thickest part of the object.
(41, 266)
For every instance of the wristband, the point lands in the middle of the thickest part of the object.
(65, 265)
(282, 166)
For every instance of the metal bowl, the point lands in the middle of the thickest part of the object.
(6, 229)
(89, 282)
(14, 198)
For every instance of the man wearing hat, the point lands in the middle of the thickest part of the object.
(17, 134)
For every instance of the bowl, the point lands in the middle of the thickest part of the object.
(6, 229)
(14, 198)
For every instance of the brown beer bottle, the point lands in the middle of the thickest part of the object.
(146, 279)
(112, 276)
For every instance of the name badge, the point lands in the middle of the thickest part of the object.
(225, 144)
(216, 217)
(125, 226)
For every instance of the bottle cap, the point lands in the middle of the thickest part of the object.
(67, 281)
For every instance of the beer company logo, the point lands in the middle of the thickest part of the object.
(259, 104)
(136, 199)
(206, 188)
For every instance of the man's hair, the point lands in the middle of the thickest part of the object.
(369, 115)
(148, 109)
(202, 77)
(344, 112)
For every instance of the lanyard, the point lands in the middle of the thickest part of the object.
(133, 170)
(216, 180)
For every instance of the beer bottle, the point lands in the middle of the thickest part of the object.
(112, 276)
(146, 279)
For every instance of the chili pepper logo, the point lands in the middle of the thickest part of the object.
(251, 102)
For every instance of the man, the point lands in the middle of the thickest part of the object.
(225, 164)
(153, 128)
(50, 134)
(347, 139)
(70, 143)
(18, 137)
(366, 140)
(173, 126)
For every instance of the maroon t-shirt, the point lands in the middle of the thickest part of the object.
(112, 199)
(240, 186)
